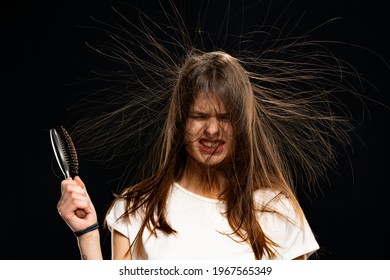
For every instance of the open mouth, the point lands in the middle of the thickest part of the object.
(211, 146)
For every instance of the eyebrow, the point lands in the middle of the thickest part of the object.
(225, 114)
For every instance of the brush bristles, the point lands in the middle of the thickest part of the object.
(71, 156)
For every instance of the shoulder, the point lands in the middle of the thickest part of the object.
(284, 223)
(272, 199)
(277, 206)
(116, 210)
(118, 219)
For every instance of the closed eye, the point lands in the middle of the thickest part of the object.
(224, 117)
(199, 116)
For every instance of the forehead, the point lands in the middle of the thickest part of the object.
(207, 101)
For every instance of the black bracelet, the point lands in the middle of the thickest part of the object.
(88, 229)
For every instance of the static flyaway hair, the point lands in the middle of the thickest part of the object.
(299, 85)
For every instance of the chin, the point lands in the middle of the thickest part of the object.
(214, 160)
(211, 163)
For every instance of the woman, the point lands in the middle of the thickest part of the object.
(222, 188)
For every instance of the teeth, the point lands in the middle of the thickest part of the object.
(210, 144)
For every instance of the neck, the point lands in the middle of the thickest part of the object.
(207, 181)
(204, 180)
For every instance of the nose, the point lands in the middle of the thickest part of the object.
(212, 126)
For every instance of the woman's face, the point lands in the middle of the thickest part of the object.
(208, 135)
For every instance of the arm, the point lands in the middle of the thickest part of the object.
(303, 257)
(89, 245)
(77, 210)
(120, 245)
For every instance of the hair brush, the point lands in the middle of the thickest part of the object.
(66, 155)
(65, 152)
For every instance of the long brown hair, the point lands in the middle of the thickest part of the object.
(256, 160)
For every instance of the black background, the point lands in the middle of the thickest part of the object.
(43, 51)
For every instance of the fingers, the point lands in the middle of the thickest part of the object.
(75, 206)
(79, 181)
(72, 201)
(73, 198)
(72, 185)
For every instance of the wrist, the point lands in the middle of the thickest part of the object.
(91, 228)
(94, 234)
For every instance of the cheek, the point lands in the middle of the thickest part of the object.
(228, 131)
(193, 130)
(188, 136)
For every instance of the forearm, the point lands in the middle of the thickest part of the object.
(89, 245)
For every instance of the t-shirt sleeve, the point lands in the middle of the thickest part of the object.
(293, 235)
(114, 220)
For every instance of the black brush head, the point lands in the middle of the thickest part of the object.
(64, 151)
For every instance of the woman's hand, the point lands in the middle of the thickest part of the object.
(75, 205)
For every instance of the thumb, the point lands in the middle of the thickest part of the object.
(79, 181)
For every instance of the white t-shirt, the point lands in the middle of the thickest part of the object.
(200, 224)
